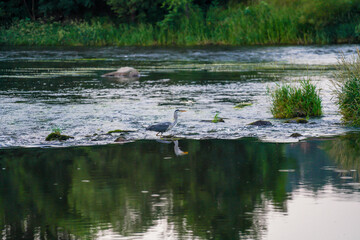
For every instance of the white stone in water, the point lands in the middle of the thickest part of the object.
(124, 72)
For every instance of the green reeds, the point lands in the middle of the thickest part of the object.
(290, 102)
(347, 89)
(259, 23)
(76, 33)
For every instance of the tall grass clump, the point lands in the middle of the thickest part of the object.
(303, 101)
(254, 24)
(347, 89)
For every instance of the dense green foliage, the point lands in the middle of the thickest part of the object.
(180, 22)
(348, 89)
(289, 101)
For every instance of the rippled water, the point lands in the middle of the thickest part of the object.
(220, 189)
(42, 89)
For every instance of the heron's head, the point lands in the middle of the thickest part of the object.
(177, 111)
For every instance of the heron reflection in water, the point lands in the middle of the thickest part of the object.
(160, 128)
(177, 150)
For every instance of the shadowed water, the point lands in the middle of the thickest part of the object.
(42, 89)
(220, 189)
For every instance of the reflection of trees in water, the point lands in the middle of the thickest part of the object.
(345, 151)
(213, 191)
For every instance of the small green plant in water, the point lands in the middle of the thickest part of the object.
(347, 89)
(289, 101)
(217, 118)
(56, 130)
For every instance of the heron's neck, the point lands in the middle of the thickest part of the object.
(175, 120)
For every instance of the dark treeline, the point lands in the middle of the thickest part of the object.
(180, 22)
(125, 11)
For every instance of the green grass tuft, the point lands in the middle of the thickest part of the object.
(217, 118)
(290, 102)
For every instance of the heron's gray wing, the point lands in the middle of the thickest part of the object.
(160, 127)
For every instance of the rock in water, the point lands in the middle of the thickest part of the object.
(296, 120)
(57, 136)
(295, 135)
(120, 140)
(124, 72)
(261, 123)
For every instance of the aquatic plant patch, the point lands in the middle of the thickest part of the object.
(349, 101)
(290, 101)
(347, 91)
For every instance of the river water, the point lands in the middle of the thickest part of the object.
(223, 180)
(221, 189)
(42, 89)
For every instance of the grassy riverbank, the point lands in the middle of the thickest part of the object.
(261, 23)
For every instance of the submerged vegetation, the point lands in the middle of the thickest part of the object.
(179, 22)
(289, 101)
(242, 105)
(348, 89)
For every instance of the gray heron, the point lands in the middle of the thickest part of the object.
(160, 128)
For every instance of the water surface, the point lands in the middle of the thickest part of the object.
(42, 89)
(221, 189)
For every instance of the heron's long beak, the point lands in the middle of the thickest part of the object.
(182, 110)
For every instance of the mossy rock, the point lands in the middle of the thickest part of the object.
(119, 131)
(296, 120)
(261, 123)
(120, 140)
(295, 135)
(214, 121)
(57, 137)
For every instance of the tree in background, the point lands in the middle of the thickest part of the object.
(137, 11)
(54, 9)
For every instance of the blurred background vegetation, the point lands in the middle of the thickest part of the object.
(178, 22)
